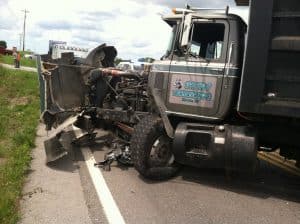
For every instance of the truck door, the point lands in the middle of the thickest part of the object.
(197, 79)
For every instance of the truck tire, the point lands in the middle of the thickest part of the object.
(151, 150)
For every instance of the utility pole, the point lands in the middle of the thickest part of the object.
(20, 43)
(25, 13)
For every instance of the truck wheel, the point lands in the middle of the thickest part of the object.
(151, 150)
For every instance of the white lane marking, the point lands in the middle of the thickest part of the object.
(108, 203)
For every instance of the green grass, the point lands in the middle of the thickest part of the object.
(19, 113)
(25, 52)
(7, 59)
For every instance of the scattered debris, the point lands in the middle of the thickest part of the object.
(34, 191)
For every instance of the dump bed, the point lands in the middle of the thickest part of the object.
(270, 81)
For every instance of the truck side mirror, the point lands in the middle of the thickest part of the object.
(187, 24)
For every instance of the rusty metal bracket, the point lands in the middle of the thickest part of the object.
(279, 161)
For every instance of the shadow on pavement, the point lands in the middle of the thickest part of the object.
(68, 163)
(267, 181)
(64, 164)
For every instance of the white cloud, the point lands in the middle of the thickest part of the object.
(133, 26)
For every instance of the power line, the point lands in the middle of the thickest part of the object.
(25, 13)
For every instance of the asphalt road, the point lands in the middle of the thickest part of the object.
(194, 196)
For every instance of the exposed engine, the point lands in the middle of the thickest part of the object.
(116, 89)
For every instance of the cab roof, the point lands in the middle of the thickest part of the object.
(173, 18)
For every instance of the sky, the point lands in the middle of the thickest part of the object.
(134, 27)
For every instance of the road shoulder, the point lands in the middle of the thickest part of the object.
(23, 68)
(52, 194)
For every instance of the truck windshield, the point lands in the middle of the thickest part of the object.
(172, 40)
(207, 40)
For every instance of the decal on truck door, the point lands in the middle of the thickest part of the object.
(193, 90)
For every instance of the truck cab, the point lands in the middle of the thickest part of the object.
(200, 72)
(224, 97)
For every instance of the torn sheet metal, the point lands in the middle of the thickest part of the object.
(63, 82)
(67, 137)
(79, 94)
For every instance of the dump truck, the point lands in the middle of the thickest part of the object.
(222, 93)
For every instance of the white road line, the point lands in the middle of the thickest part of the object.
(109, 205)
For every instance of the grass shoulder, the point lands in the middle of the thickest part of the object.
(19, 113)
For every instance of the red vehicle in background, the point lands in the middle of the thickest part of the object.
(5, 51)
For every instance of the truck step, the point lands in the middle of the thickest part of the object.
(198, 152)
